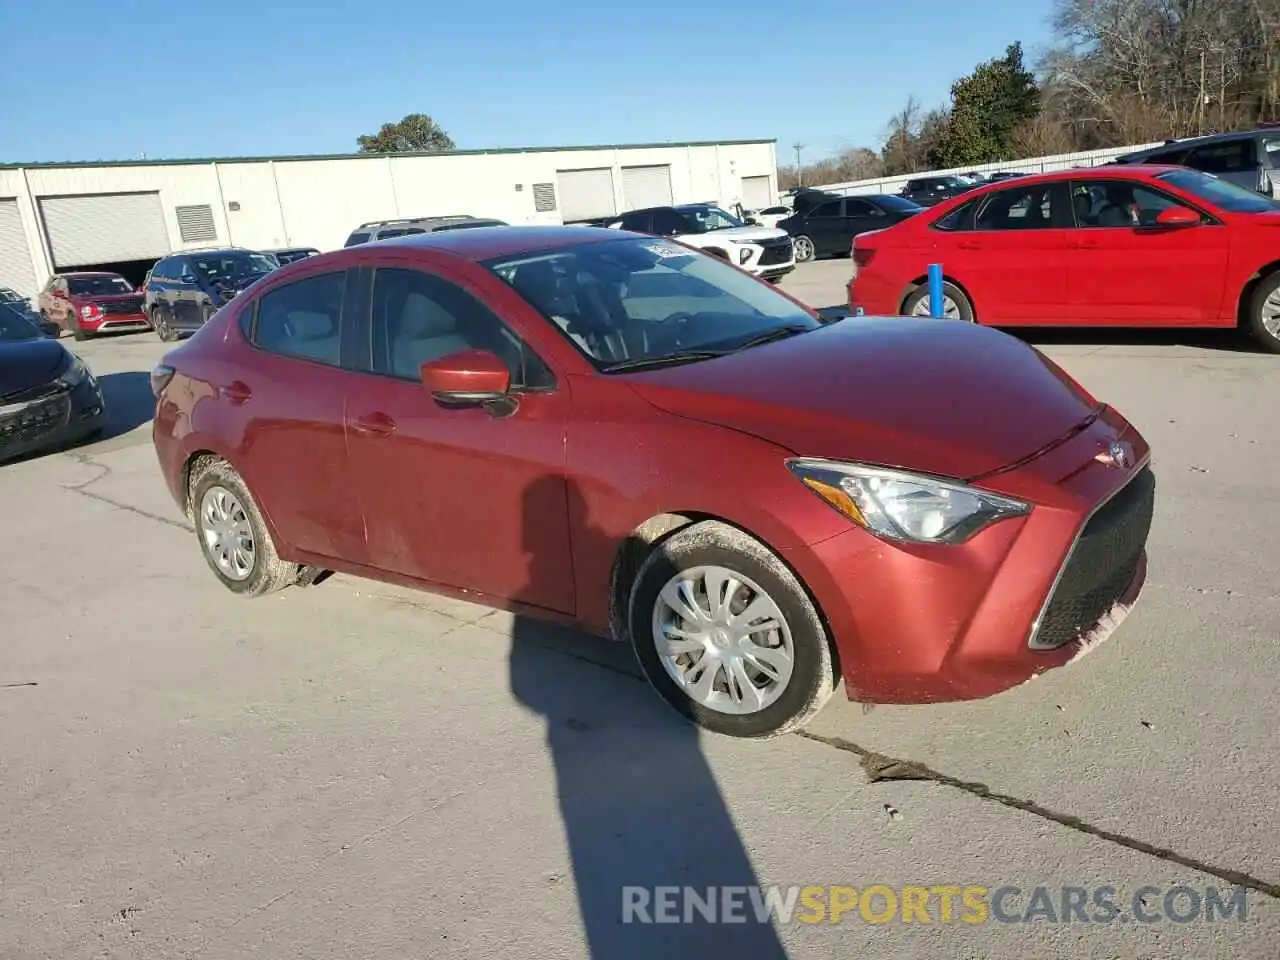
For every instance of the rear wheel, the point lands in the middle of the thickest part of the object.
(1264, 312)
(955, 305)
(803, 248)
(232, 535)
(726, 634)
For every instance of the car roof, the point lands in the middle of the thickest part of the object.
(1132, 171)
(88, 273)
(484, 243)
(1207, 140)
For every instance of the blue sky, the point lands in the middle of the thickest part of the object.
(274, 77)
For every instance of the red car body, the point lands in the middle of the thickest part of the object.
(1195, 271)
(365, 474)
(92, 302)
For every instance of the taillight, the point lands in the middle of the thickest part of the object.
(860, 256)
(160, 377)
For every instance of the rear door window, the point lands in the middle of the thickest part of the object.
(356, 238)
(832, 208)
(1021, 208)
(302, 319)
(1234, 156)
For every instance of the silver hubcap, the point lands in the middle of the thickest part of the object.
(227, 535)
(950, 311)
(1271, 313)
(803, 248)
(723, 640)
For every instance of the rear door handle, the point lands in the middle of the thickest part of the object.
(1084, 244)
(237, 391)
(374, 425)
(969, 245)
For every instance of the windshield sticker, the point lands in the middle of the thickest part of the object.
(668, 250)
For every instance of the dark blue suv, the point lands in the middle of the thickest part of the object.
(185, 289)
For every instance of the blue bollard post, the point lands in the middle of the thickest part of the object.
(935, 291)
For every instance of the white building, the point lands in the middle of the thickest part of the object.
(124, 216)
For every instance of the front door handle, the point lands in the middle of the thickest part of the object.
(374, 425)
(1085, 244)
(969, 245)
(237, 391)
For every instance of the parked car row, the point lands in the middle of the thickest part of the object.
(1128, 245)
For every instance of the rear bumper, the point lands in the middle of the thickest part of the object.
(873, 295)
(59, 420)
(925, 623)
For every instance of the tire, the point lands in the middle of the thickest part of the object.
(160, 324)
(1263, 314)
(804, 249)
(264, 572)
(76, 330)
(713, 549)
(917, 302)
(44, 318)
(717, 252)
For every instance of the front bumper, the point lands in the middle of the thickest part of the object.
(926, 623)
(115, 322)
(48, 418)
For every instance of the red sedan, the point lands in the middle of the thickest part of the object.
(1124, 246)
(625, 434)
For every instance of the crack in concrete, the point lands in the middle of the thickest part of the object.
(131, 509)
(879, 767)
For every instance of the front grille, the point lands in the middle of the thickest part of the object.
(34, 421)
(121, 308)
(1101, 566)
(775, 251)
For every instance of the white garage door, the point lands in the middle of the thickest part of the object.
(646, 186)
(104, 229)
(15, 255)
(756, 194)
(586, 193)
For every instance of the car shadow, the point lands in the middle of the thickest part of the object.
(1227, 340)
(639, 803)
(129, 402)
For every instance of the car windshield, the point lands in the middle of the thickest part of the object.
(14, 326)
(97, 286)
(704, 218)
(896, 204)
(235, 265)
(1221, 193)
(636, 302)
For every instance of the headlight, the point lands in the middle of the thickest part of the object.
(75, 373)
(904, 506)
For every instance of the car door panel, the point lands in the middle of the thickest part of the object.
(1142, 274)
(461, 496)
(1012, 264)
(289, 393)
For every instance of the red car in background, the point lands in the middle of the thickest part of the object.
(623, 433)
(1137, 246)
(88, 303)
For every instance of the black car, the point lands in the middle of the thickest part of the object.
(927, 191)
(48, 397)
(829, 228)
(17, 302)
(186, 289)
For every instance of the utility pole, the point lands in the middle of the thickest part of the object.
(1200, 104)
(799, 172)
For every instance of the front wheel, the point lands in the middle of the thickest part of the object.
(803, 248)
(1264, 313)
(160, 323)
(232, 535)
(955, 305)
(726, 634)
(77, 331)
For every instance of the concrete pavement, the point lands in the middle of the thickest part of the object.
(355, 770)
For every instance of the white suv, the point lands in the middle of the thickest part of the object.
(763, 251)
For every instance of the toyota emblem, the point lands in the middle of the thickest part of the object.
(1118, 454)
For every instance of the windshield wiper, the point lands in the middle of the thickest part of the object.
(778, 333)
(667, 360)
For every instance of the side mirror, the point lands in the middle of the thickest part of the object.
(1177, 217)
(469, 376)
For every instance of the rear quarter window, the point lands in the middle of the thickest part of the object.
(301, 319)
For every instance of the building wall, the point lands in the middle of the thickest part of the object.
(317, 202)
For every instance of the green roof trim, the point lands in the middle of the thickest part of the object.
(377, 156)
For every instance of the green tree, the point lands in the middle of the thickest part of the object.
(987, 108)
(416, 133)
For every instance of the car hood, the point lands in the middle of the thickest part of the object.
(934, 396)
(746, 233)
(29, 363)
